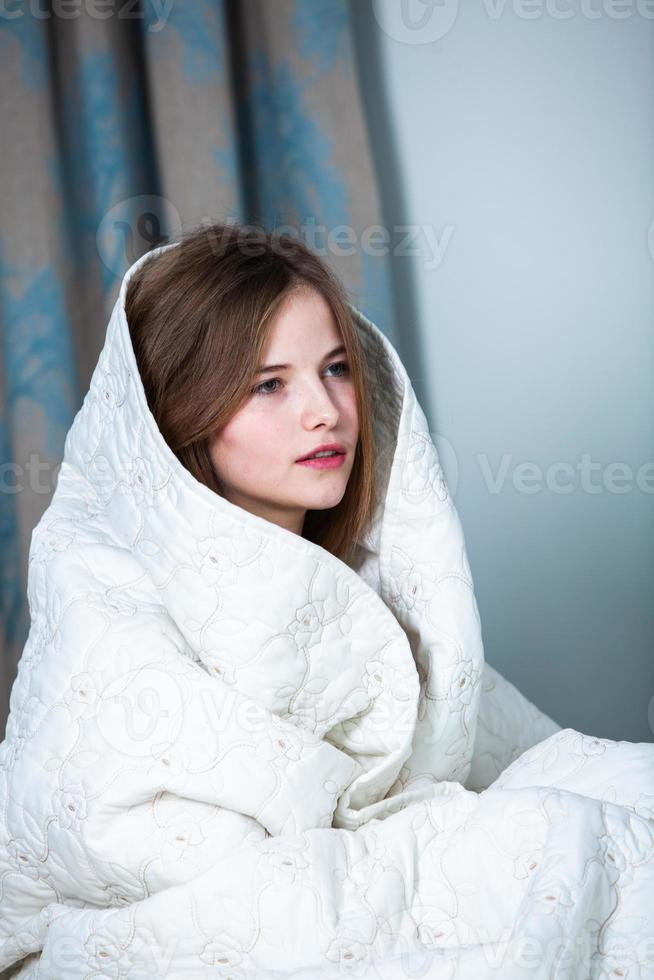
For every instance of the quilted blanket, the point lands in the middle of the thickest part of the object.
(231, 754)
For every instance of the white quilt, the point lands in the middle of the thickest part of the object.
(230, 754)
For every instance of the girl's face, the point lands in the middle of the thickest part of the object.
(307, 400)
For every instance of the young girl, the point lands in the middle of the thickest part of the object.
(252, 732)
(221, 311)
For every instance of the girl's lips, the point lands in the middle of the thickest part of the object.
(323, 462)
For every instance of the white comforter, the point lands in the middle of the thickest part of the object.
(231, 754)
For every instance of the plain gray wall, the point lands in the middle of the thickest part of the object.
(531, 139)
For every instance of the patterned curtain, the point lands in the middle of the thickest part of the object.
(123, 125)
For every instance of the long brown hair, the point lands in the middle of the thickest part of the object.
(199, 316)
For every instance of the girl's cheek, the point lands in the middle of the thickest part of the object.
(351, 402)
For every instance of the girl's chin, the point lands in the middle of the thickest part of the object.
(327, 491)
(323, 501)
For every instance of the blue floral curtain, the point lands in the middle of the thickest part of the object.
(123, 125)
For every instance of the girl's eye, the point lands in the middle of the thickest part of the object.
(261, 389)
(342, 364)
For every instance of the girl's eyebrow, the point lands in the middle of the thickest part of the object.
(283, 367)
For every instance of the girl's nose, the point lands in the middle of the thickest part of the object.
(318, 406)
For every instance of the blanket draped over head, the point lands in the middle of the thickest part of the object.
(230, 753)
